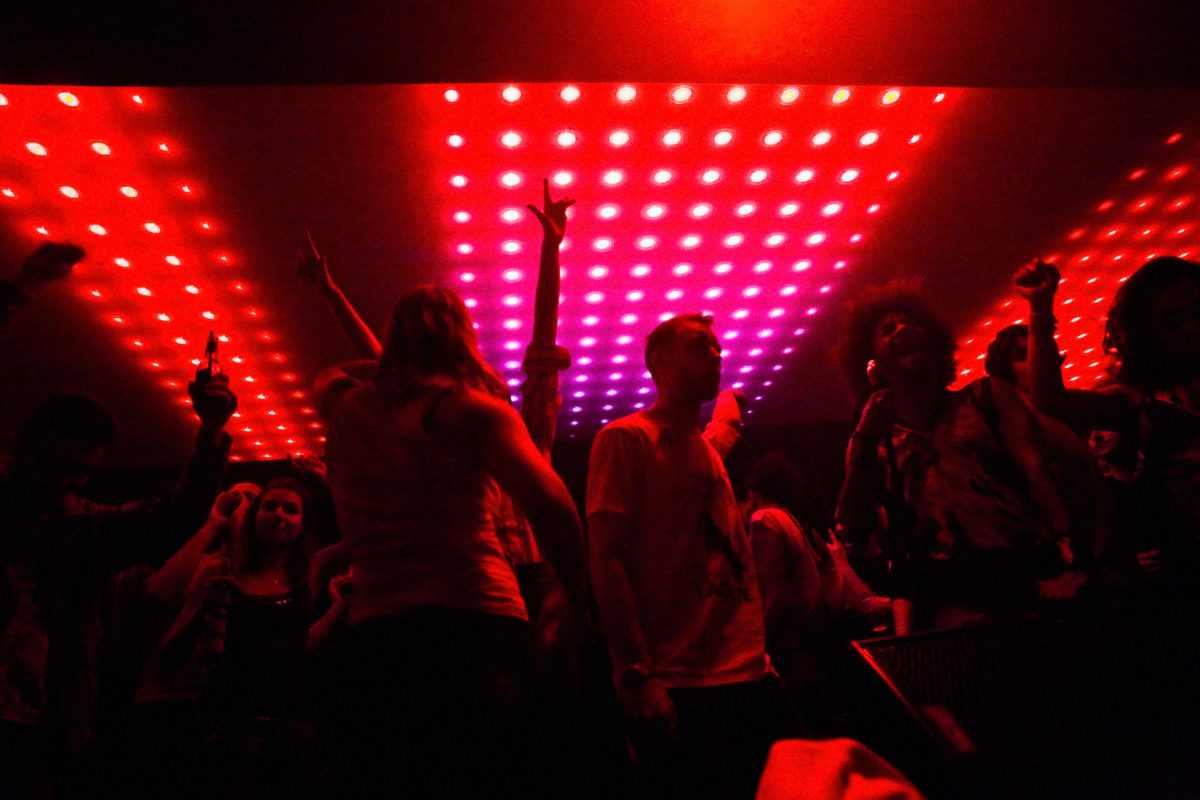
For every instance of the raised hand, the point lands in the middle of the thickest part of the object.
(311, 266)
(308, 463)
(213, 401)
(1036, 282)
(225, 505)
(552, 215)
(730, 406)
(878, 416)
(341, 589)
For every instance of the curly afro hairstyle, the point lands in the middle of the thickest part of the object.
(1130, 326)
(856, 340)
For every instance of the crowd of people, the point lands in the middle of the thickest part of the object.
(435, 641)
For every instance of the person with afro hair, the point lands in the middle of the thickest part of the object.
(972, 513)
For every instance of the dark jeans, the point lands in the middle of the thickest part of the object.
(434, 707)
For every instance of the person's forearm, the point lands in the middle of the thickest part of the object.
(545, 305)
(322, 628)
(540, 399)
(862, 491)
(1047, 391)
(170, 582)
(619, 618)
(360, 336)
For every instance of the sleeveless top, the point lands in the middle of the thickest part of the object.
(418, 518)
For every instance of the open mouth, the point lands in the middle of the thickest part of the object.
(909, 342)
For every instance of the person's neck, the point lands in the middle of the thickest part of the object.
(917, 401)
(271, 566)
(675, 410)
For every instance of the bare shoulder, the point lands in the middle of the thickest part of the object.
(333, 384)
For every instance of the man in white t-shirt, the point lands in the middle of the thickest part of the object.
(674, 580)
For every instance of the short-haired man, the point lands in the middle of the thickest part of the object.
(674, 580)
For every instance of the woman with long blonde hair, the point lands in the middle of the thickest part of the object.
(419, 445)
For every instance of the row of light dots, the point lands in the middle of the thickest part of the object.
(601, 272)
(740, 314)
(70, 192)
(72, 100)
(685, 94)
(674, 137)
(689, 242)
(614, 177)
(609, 211)
(1096, 316)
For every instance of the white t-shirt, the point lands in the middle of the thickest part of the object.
(690, 566)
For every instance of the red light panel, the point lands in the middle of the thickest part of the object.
(743, 201)
(95, 166)
(1151, 211)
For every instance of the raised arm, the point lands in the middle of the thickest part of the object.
(724, 429)
(865, 484)
(1111, 409)
(553, 219)
(544, 359)
(151, 530)
(170, 582)
(312, 266)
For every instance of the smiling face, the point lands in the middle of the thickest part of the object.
(280, 518)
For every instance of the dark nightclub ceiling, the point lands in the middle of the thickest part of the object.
(768, 202)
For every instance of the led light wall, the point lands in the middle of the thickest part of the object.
(103, 168)
(1151, 211)
(747, 202)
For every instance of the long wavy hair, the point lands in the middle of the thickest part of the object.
(1129, 330)
(430, 334)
